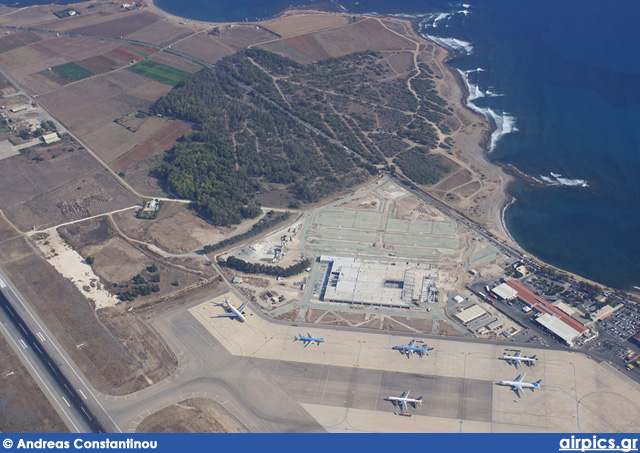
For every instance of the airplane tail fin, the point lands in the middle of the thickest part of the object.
(537, 383)
(297, 337)
(419, 400)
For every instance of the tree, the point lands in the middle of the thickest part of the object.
(90, 260)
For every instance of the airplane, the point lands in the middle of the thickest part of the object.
(517, 359)
(403, 400)
(411, 348)
(233, 311)
(309, 339)
(518, 385)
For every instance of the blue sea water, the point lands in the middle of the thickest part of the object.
(561, 80)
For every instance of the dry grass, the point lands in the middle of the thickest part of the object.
(198, 415)
(18, 391)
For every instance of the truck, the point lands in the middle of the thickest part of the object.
(630, 366)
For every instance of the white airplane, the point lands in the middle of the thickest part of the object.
(411, 348)
(403, 400)
(518, 359)
(309, 339)
(233, 311)
(518, 385)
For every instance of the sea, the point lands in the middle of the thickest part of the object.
(560, 80)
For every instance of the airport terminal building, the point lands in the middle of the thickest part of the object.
(385, 283)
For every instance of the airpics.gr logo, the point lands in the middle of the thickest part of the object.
(598, 444)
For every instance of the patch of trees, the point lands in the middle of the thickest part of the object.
(241, 138)
(272, 218)
(420, 167)
(256, 268)
(139, 285)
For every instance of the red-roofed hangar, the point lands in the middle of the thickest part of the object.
(550, 317)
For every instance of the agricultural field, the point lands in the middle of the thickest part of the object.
(72, 71)
(16, 40)
(159, 72)
(100, 64)
(121, 26)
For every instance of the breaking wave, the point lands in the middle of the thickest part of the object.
(504, 122)
(557, 179)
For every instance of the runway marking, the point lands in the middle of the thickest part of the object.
(40, 336)
(85, 413)
(24, 346)
(81, 393)
(43, 382)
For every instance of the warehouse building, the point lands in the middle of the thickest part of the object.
(469, 314)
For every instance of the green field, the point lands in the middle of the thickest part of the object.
(159, 72)
(72, 71)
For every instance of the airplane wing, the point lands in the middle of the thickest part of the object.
(521, 377)
(403, 404)
(226, 315)
(306, 344)
(243, 306)
(413, 342)
(518, 389)
(515, 362)
(405, 394)
(518, 354)
(409, 353)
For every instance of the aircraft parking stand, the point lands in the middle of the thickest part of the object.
(343, 383)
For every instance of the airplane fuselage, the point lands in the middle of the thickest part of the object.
(406, 349)
(236, 312)
(403, 401)
(524, 385)
(514, 358)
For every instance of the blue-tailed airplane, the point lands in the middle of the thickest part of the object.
(518, 386)
(518, 359)
(233, 311)
(411, 348)
(404, 399)
(309, 339)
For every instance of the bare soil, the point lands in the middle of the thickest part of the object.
(205, 47)
(121, 26)
(18, 391)
(297, 24)
(161, 33)
(126, 54)
(176, 62)
(90, 195)
(446, 329)
(176, 230)
(89, 108)
(239, 36)
(367, 34)
(197, 415)
(162, 140)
